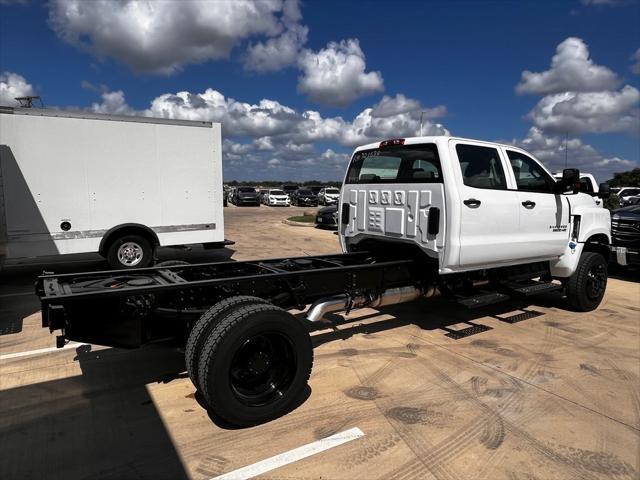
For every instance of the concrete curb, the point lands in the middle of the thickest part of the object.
(299, 224)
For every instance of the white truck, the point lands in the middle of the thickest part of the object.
(588, 184)
(477, 222)
(77, 182)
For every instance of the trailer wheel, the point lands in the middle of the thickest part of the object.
(586, 287)
(255, 364)
(202, 329)
(130, 251)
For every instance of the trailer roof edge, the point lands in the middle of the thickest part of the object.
(46, 112)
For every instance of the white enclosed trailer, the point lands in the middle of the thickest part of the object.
(77, 182)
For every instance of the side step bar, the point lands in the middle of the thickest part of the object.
(534, 288)
(482, 299)
(516, 289)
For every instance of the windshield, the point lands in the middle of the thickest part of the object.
(289, 188)
(404, 164)
(332, 191)
(247, 190)
(305, 192)
(276, 192)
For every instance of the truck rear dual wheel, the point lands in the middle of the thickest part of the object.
(255, 364)
(203, 327)
(585, 288)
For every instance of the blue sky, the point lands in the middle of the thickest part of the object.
(333, 74)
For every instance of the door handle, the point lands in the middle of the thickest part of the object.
(472, 202)
(528, 204)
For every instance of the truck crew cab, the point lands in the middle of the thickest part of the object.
(478, 222)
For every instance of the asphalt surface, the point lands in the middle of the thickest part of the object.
(514, 391)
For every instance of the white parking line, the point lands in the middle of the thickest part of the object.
(39, 351)
(292, 455)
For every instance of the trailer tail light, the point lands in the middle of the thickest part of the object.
(392, 142)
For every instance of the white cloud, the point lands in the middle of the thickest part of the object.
(336, 75)
(162, 36)
(580, 96)
(13, 85)
(550, 149)
(282, 51)
(280, 132)
(635, 68)
(571, 70)
(595, 112)
(276, 53)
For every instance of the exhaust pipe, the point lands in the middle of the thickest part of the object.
(339, 303)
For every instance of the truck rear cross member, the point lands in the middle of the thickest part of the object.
(476, 221)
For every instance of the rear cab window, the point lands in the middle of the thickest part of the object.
(396, 164)
(481, 167)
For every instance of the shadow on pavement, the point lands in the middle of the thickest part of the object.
(100, 424)
(432, 314)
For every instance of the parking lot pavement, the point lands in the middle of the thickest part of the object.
(539, 393)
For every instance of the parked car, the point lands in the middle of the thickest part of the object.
(289, 189)
(327, 217)
(328, 196)
(247, 196)
(314, 188)
(275, 197)
(625, 193)
(625, 235)
(304, 198)
(262, 194)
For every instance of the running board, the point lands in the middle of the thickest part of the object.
(533, 288)
(482, 299)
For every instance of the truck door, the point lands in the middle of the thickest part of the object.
(543, 230)
(488, 210)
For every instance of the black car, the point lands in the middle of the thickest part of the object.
(246, 196)
(289, 189)
(625, 235)
(304, 198)
(327, 217)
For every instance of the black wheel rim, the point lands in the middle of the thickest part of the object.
(262, 369)
(596, 281)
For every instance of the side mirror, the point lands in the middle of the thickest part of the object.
(570, 181)
(604, 191)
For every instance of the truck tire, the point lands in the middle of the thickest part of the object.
(130, 251)
(588, 283)
(202, 329)
(255, 364)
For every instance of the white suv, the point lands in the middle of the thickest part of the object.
(275, 197)
(328, 196)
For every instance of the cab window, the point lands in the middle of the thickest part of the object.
(397, 164)
(481, 167)
(585, 185)
(530, 176)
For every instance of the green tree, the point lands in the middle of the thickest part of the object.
(630, 178)
(612, 202)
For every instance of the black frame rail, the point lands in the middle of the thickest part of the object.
(85, 303)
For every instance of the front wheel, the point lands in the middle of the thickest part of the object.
(586, 287)
(255, 364)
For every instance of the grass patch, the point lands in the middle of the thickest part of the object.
(303, 219)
